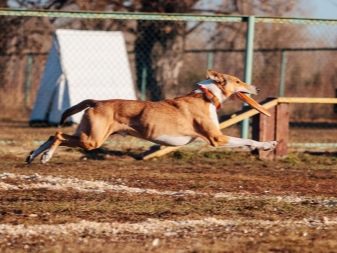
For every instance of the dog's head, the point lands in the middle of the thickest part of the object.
(224, 86)
(230, 85)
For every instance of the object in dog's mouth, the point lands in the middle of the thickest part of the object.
(252, 103)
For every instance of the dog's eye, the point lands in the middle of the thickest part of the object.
(237, 82)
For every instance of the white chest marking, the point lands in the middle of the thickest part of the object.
(173, 140)
(213, 115)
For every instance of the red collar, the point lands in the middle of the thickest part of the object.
(211, 97)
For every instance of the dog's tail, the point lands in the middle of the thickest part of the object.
(77, 108)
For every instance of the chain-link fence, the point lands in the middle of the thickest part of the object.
(167, 54)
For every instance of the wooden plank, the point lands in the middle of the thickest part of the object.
(235, 119)
(307, 100)
(282, 130)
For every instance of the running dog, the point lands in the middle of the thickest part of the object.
(171, 122)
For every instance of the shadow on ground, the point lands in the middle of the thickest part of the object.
(106, 154)
(321, 153)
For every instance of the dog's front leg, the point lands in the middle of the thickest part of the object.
(233, 142)
(213, 135)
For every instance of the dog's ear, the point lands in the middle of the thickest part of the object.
(216, 76)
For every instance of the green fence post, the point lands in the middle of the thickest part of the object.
(283, 73)
(210, 60)
(28, 79)
(248, 66)
(143, 85)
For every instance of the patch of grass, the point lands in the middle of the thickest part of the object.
(217, 155)
(292, 159)
(182, 155)
(313, 161)
(71, 206)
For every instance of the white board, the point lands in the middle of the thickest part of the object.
(83, 65)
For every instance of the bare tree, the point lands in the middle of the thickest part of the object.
(159, 46)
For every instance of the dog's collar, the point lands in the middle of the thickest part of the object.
(210, 96)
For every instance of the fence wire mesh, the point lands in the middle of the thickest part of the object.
(167, 54)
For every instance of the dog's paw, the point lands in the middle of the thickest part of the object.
(46, 157)
(29, 158)
(269, 145)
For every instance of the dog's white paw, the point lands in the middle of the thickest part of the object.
(46, 157)
(269, 145)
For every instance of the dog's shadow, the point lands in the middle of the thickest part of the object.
(107, 154)
(322, 153)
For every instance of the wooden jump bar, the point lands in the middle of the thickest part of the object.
(296, 100)
(237, 118)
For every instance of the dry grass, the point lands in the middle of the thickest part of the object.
(281, 206)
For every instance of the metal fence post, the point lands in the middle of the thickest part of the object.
(143, 85)
(210, 60)
(283, 73)
(248, 66)
(335, 105)
(28, 80)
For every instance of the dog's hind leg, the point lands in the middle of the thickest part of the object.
(61, 139)
(50, 146)
(57, 140)
(91, 134)
(46, 145)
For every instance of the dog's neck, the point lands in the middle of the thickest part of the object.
(213, 95)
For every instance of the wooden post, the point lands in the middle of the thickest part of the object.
(275, 127)
(282, 130)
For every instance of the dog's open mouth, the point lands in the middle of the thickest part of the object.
(242, 96)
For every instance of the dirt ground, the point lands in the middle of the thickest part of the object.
(205, 200)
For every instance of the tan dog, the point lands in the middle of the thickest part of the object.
(171, 122)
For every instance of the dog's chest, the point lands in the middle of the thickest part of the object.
(213, 115)
(173, 140)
